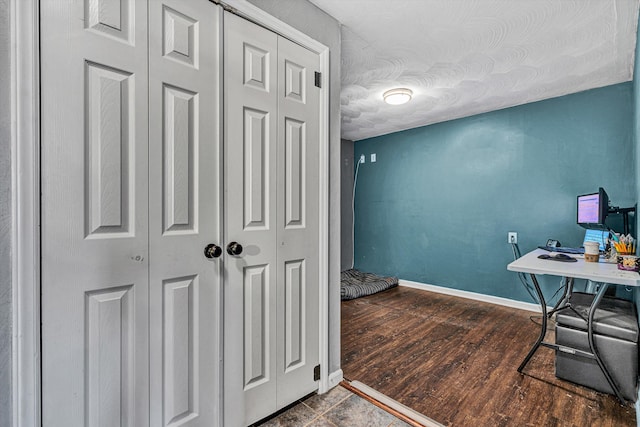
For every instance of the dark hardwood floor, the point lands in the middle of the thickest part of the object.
(454, 360)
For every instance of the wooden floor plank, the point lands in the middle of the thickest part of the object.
(454, 360)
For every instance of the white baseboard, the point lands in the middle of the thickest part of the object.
(472, 295)
(335, 378)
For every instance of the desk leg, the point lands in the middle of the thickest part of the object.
(563, 302)
(592, 342)
(543, 331)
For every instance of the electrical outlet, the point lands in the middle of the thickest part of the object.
(512, 237)
(373, 157)
(361, 158)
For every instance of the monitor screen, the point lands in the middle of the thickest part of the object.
(588, 209)
(592, 210)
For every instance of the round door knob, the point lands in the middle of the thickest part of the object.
(234, 248)
(212, 251)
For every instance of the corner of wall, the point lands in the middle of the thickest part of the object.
(636, 140)
(346, 210)
(636, 113)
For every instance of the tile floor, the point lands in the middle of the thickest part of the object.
(337, 408)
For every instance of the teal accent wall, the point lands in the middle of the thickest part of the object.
(437, 205)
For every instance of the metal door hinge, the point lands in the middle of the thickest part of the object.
(316, 373)
(318, 77)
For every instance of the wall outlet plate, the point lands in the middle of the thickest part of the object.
(512, 237)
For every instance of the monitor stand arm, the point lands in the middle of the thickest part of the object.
(625, 215)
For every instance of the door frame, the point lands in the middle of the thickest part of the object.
(24, 21)
(24, 37)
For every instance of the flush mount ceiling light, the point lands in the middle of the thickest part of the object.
(397, 96)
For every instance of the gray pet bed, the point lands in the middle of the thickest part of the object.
(356, 284)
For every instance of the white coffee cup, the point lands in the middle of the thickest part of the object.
(591, 251)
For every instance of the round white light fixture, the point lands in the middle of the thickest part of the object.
(397, 96)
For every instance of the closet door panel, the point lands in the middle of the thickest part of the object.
(131, 184)
(184, 202)
(181, 109)
(272, 193)
(180, 332)
(256, 333)
(94, 175)
(109, 357)
(250, 211)
(295, 335)
(256, 183)
(297, 230)
(111, 17)
(294, 160)
(109, 118)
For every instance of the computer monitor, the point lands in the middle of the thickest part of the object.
(592, 210)
(600, 236)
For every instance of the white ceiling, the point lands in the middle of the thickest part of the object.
(464, 57)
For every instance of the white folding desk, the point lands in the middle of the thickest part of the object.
(599, 272)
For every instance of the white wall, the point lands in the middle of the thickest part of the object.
(5, 218)
(312, 21)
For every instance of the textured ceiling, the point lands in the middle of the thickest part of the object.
(464, 57)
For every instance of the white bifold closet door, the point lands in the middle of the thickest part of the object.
(131, 174)
(185, 176)
(271, 208)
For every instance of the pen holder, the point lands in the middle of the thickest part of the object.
(628, 263)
